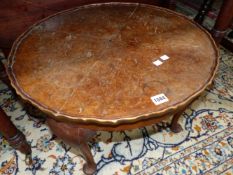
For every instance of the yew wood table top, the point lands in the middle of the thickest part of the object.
(95, 63)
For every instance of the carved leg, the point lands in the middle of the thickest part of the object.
(205, 7)
(223, 21)
(16, 138)
(75, 136)
(175, 126)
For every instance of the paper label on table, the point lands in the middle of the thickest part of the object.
(157, 62)
(159, 99)
(164, 57)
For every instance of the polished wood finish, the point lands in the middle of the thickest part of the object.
(17, 15)
(223, 21)
(91, 68)
(15, 137)
(95, 64)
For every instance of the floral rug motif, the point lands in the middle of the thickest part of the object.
(205, 146)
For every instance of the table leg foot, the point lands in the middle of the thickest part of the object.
(89, 167)
(176, 128)
(77, 137)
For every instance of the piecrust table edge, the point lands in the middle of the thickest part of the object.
(87, 122)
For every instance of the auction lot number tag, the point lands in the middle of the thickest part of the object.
(159, 99)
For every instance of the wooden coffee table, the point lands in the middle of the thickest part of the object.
(111, 67)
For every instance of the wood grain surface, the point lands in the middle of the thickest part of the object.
(96, 62)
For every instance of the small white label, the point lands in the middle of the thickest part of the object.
(157, 62)
(159, 99)
(164, 57)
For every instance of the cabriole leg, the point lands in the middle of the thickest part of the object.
(77, 137)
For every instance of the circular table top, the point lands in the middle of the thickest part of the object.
(97, 63)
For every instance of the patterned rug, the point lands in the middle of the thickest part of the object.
(205, 146)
